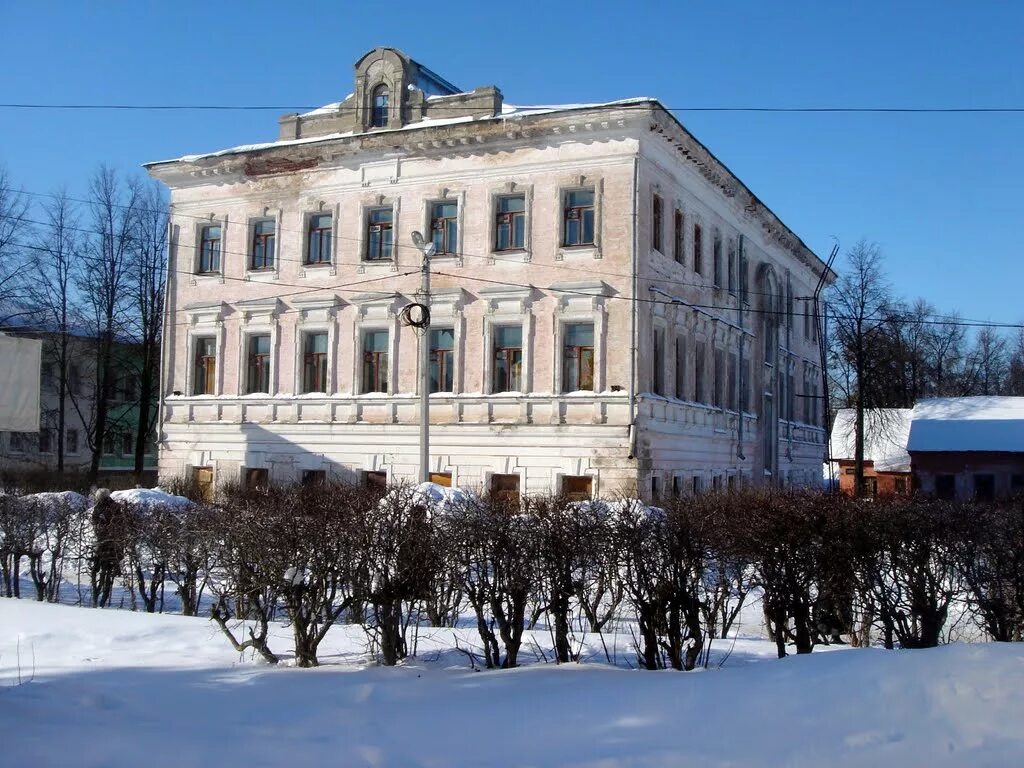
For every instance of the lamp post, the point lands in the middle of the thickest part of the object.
(425, 247)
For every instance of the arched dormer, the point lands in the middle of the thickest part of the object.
(383, 77)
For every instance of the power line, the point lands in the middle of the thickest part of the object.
(958, 322)
(637, 105)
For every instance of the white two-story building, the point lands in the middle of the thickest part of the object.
(612, 309)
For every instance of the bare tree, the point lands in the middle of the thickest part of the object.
(861, 299)
(13, 211)
(103, 280)
(1015, 366)
(57, 250)
(147, 295)
(987, 366)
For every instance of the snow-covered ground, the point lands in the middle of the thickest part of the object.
(116, 688)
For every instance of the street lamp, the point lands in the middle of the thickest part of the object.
(426, 248)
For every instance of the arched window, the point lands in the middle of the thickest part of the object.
(379, 118)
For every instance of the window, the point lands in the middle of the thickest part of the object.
(658, 362)
(699, 392)
(719, 382)
(698, 249)
(679, 247)
(314, 477)
(127, 444)
(984, 487)
(442, 363)
(257, 479)
(578, 357)
(731, 267)
(110, 443)
(205, 366)
(444, 227)
(1017, 482)
(657, 223)
(577, 487)
(680, 368)
(71, 441)
(381, 102)
(578, 218)
(744, 276)
(375, 479)
(745, 387)
(263, 239)
(45, 440)
(258, 378)
(318, 238)
(375, 361)
(677, 485)
(314, 362)
(508, 359)
(510, 223)
(696, 485)
(378, 234)
(655, 488)
(505, 488)
(899, 485)
(202, 478)
(716, 255)
(733, 385)
(74, 379)
(48, 376)
(945, 486)
(209, 249)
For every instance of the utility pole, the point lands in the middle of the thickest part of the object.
(426, 248)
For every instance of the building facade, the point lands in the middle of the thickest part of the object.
(612, 310)
(968, 447)
(886, 461)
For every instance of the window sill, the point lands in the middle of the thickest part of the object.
(318, 269)
(261, 275)
(376, 264)
(511, 254)
(207, 277)
(593, 251)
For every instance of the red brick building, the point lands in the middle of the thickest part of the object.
(886, 461)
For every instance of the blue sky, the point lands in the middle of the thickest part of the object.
(941, 194)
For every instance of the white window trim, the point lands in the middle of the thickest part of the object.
(446, 196)
(507, 306)
(197, 238)
(367, 205)
(307, 270)
(262, 275)
(375, 312)
(580, 184)
(317, 315)
(446, 312)
(574, 307)
(259, 317)
(205, 320)
(526, 252)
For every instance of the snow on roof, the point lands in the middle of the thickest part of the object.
(508, 111)
(968, 424)
(885, 437)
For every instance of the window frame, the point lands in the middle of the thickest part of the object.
(564, 347)
(305, 334)
(512, 216)
(309, 237)
(493, 354)
(657, 222)
(258, 363)
(380, 115)
(446, 249)
(679, 236)
(448, 364)
(202, 228)
(369, 226)
(214, 375)
(256, 238)
(362, 369)
(698, 248)
(564, 218)
(716, 258)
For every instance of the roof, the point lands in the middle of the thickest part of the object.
(508, 112)
(987, 423)
(885, 437)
